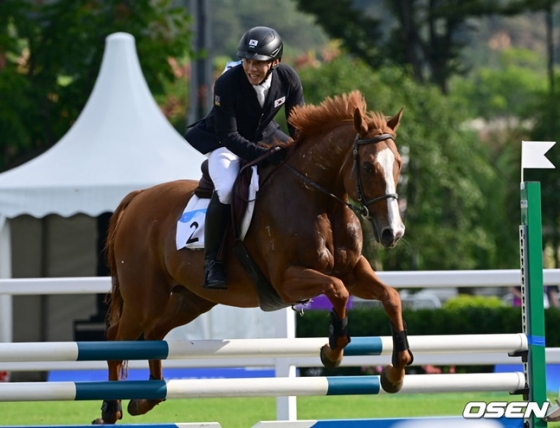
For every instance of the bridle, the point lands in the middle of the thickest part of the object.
(362, 200)
(359, 187)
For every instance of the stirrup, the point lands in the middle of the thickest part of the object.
(214, 276)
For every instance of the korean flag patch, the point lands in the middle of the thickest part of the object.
(279, 102)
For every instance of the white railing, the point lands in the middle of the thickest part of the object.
(411, 279)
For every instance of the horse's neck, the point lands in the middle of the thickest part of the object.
(322, 158)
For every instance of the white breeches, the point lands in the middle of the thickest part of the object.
(223, 167)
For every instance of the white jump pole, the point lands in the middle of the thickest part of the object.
(255, 387)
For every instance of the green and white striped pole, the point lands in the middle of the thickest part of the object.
(532, 284)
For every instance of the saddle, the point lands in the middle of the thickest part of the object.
(268, 297)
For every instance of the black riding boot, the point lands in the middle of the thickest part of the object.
(217, 218)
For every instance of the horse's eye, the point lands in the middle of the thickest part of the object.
(367, 167)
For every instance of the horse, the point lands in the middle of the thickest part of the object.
(305, 237)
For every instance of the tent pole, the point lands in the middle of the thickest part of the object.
(5, 272)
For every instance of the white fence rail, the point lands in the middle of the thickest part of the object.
(411, 279)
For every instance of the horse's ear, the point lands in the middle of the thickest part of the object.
(393, 123)
(360, 124)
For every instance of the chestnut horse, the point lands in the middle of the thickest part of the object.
(305, 237)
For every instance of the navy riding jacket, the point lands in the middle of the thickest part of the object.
(237, 121)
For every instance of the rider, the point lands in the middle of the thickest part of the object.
(247, 97)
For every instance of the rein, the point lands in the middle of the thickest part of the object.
(362, 209)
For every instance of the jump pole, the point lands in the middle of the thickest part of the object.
(532, 284)
(252, 348)
(256, 387)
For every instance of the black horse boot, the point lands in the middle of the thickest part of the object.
(217, 218)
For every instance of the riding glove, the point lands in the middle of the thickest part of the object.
(277, 156)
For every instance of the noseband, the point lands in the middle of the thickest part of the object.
(359, 187)
(362, 209)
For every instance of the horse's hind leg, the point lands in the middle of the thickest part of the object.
(127, 328)
(300, 281)
(367, 285)
(183, 307)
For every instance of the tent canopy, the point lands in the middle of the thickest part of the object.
(120, 142)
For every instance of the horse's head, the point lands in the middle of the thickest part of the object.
(371, 167)
(371, 179)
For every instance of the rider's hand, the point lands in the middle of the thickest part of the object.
(277, 156)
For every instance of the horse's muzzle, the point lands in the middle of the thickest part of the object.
(388, 236)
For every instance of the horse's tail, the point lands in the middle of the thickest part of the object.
(114, 299)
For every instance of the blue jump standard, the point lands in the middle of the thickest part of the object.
(159, 350)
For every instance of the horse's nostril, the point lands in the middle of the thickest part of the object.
(387, 236)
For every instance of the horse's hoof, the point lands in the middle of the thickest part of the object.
(138, 407)
(134, 408)
(326, 361)
(387, 385)
(98, 421)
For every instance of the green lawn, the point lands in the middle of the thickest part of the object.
(245, 412)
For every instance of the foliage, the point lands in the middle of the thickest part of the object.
(504, 100)
(466, 301)
(231, 18)
(50, 53)
(424, 38)
(547, 128)
(517, 105)
(509, 91)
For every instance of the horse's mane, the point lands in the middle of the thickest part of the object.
(310, 119)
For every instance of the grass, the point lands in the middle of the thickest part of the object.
(245, 412)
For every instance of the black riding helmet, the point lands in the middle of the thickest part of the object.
(261, 44)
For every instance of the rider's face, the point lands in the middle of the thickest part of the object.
(256, 70)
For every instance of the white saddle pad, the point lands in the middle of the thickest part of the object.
(190, 227)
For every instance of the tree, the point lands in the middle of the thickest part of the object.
(509, 91)
(50, 53)
(425, 38)
(547, 128)
(231, 18)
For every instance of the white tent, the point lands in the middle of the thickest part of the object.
(120, 142)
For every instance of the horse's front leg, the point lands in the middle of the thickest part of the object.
(367, 285)
(299, 283)
(142, 406)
